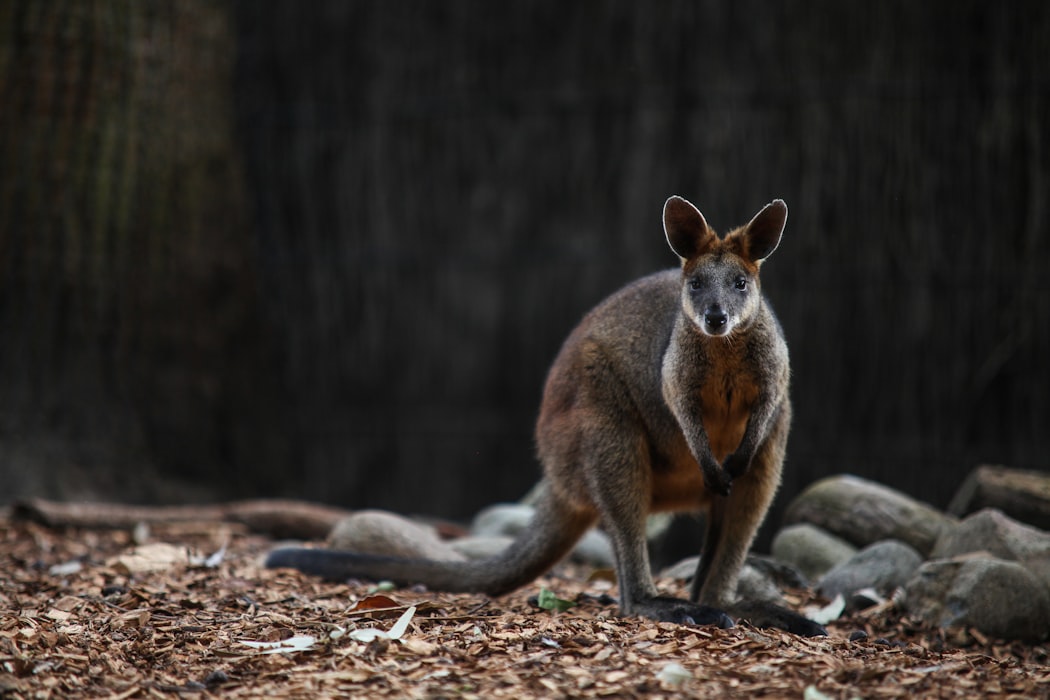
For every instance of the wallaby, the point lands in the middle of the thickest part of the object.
(672, 394)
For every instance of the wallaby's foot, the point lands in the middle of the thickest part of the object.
(682, 612)
(770, 615)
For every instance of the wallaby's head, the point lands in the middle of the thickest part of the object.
(720, 289)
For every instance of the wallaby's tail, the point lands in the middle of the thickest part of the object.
(554, 529)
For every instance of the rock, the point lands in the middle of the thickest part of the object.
(863, 512)
(481, 546)
(509, 519)
(810, 549)
(380, 532)
(594, 549)
(683, 570)
(863, 599)
(754, 585)
(883, 566)
(782, 573)
(656, 525)
(779, 573)
(1000, 598)
(1022, 495)
(502, 519)
(994, 532)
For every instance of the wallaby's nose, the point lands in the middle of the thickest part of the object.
(715, 318)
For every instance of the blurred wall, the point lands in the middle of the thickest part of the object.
(328, 250)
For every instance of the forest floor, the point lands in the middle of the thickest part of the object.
(80, 616)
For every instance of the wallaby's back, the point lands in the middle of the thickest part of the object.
(613, 358)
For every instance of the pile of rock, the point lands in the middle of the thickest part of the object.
(986, 571)
(844, 535)
(381, 532)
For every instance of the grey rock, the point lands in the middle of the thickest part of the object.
(863, 512)
(1001, 536)
(380, 532)
(655, 525)
(810, 549)
(509, 519)
(1000, 598)
(683, 570)
(502, 520)
(784, 574)
(754, 585)
(480, 547)
(595, 549)
(883, 566)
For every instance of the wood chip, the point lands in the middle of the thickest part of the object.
(108, 631)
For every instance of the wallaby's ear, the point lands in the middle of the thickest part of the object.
(686, 229)
(763, 232)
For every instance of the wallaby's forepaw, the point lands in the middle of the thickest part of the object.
(770, 615)
(737, 464)
(667, 609)
(716, 479)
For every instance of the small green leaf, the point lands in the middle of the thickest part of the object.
(548, 601)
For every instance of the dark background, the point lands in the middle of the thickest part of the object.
(327, 250)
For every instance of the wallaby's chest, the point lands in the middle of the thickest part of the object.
(727, 397)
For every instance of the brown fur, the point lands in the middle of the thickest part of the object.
(672, 394)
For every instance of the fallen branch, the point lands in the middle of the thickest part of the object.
(278, 518)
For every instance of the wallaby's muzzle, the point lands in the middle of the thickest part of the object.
(715, 320)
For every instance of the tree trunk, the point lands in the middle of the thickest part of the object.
(127, 285)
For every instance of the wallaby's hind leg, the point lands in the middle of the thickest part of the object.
(733, 520)
(732, 523)
(623, 473)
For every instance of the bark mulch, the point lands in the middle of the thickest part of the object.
(81, 617)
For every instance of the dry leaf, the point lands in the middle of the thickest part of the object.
(66, 568)
(419, 647)
(59, 615)
(172, 629)
(291, 645)
(673, 674)
(156, 556)
(368, 634)
(828, 613)
(375, 602)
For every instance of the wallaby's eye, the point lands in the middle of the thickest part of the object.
(740, 283)
(695, 283)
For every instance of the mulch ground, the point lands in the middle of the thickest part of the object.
(80, 618)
